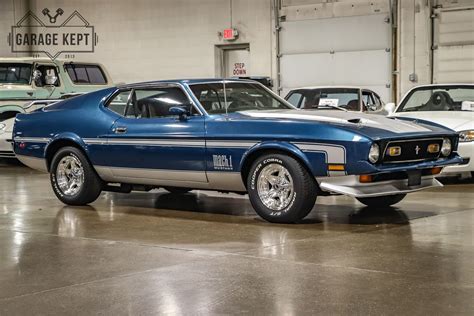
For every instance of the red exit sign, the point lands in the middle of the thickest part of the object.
(230, 34)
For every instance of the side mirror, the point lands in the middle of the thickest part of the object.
(389, 108)
(37, 78)
(180, 112)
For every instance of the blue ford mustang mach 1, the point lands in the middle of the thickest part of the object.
(228, 136)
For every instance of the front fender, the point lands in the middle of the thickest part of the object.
(275, 145)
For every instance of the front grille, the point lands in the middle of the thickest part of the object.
(412, 150)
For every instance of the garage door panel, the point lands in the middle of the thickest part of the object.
(453, 58)
(335, 34)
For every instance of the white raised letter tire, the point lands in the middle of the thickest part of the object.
(73, 179)
(280, 189)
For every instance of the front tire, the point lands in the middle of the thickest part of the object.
(73, 179)
(382, 201)
(280, 189)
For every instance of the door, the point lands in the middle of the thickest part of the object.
(335, 51)
(236, 62)
(148, 142)
(453, 54)
(49, 84)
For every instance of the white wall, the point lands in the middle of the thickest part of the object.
(157, 39)
(414, 43)
(10, 12)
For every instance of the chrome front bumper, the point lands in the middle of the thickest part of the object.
(350, 185)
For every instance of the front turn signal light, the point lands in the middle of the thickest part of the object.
(365, 178)
(436, 170)
(433, 148)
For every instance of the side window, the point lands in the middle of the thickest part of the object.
(85, 74)
(150, 103)
(119, 103)
(295, 98)
(378, 101)
(368, 102)
(49, 75)
(209, 98)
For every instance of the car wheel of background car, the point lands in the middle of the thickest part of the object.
(73, 179)
(280, 189)
(177, 190)
(382, 201)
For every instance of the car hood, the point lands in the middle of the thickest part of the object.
(369, 124)
(455, 120)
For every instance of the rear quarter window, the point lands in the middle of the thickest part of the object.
(86, 74)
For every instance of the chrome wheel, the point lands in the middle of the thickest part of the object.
(70, 175)
(275, 187)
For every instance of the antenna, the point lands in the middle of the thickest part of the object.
(225, 98)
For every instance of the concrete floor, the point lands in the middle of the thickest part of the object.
(208, 253)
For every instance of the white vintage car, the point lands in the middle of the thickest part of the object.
(6, 128)
(451, 105)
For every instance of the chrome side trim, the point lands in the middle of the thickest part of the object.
(157, 142)
(170, 142)
(32, 139)
(230, 144)
(33, 162)
(349, 185)
(95, 141)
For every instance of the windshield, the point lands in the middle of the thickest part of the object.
(449, 98)
(240, 96)
(331, 98)
(15, 73)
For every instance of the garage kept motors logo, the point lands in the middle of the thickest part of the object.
(32, 35)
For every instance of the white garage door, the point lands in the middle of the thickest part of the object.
(453, 57)
(352, 50)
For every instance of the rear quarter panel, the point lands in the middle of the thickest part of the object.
(73, 119)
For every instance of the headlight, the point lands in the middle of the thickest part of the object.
(374, 153)
(446, 147)
(466, 136)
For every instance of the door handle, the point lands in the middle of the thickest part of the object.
(120, 130)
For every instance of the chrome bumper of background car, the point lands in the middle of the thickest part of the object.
(350, 185)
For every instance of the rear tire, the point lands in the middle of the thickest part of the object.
(177, 190)
(382, 201)
(280, 189)
(73, 179)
